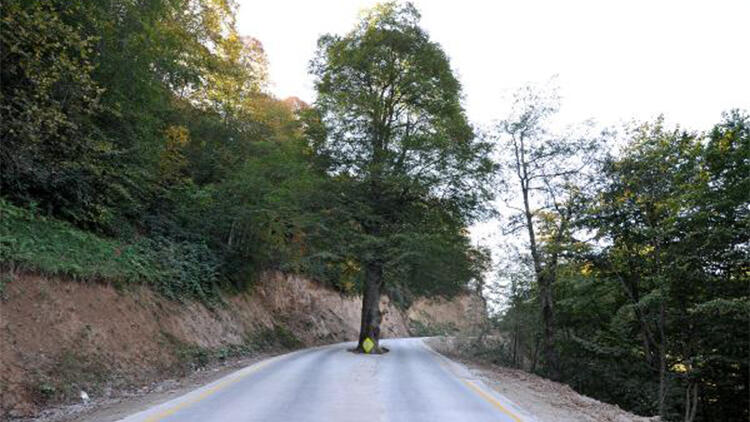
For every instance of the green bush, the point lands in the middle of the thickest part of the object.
(276, 338)
(37, 243)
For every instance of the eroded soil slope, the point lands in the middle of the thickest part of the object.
(59, 337)
(466, 313)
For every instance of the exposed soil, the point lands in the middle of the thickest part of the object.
(466, 314)
(59, 337)
(128, 401)
(547, 400)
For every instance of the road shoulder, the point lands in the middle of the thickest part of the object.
(547, 400)
(124, 403)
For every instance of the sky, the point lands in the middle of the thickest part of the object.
(614, 61)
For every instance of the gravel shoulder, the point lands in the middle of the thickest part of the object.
(547, 400)
(123, 403)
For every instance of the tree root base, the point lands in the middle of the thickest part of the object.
(375, 351)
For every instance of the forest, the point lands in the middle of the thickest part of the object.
(141, 145)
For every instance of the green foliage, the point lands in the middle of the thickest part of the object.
(147, 123)
(409, 173)
(421, 329)
(653, 315)
(176, 269)
(92, 90)
(275, 339)
(52, 151)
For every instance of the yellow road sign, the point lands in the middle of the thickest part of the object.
(367, 345)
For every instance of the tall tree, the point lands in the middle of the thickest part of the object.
(397, 134)
(646, 192)
(548, 171)
(673, 212)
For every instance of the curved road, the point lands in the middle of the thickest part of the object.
(411, 383)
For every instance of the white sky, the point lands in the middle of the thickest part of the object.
(616, 60)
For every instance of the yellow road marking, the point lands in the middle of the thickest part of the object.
(441, 361)
(179, 406)
(492, 400)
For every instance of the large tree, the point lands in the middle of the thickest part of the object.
(397, 136)
(674, 209)
(546, 173)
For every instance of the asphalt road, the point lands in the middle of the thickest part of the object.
(411, 383)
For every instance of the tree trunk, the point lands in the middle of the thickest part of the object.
(544, 280)
(630, 285)
(662, 363)
(548, 325)
(691, 401)
(371, 316)
(535, 356)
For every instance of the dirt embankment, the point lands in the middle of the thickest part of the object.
(466, 314)
(58, 337)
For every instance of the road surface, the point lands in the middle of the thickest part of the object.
(328, 384)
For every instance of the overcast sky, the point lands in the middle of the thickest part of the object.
(616, 60)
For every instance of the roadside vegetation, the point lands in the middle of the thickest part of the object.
(140, 145)
(33, 242)
(633, 284)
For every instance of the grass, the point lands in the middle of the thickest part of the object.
(34, 242)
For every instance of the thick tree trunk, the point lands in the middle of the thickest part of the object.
(371, 316)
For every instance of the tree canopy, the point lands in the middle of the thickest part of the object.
(396, 133)
(651, 305)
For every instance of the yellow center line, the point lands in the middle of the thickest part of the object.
(179, 406)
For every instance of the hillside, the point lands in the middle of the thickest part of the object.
(82, 312)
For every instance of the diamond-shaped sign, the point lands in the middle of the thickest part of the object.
(367, 345)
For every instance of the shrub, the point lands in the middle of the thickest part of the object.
(37, 243)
